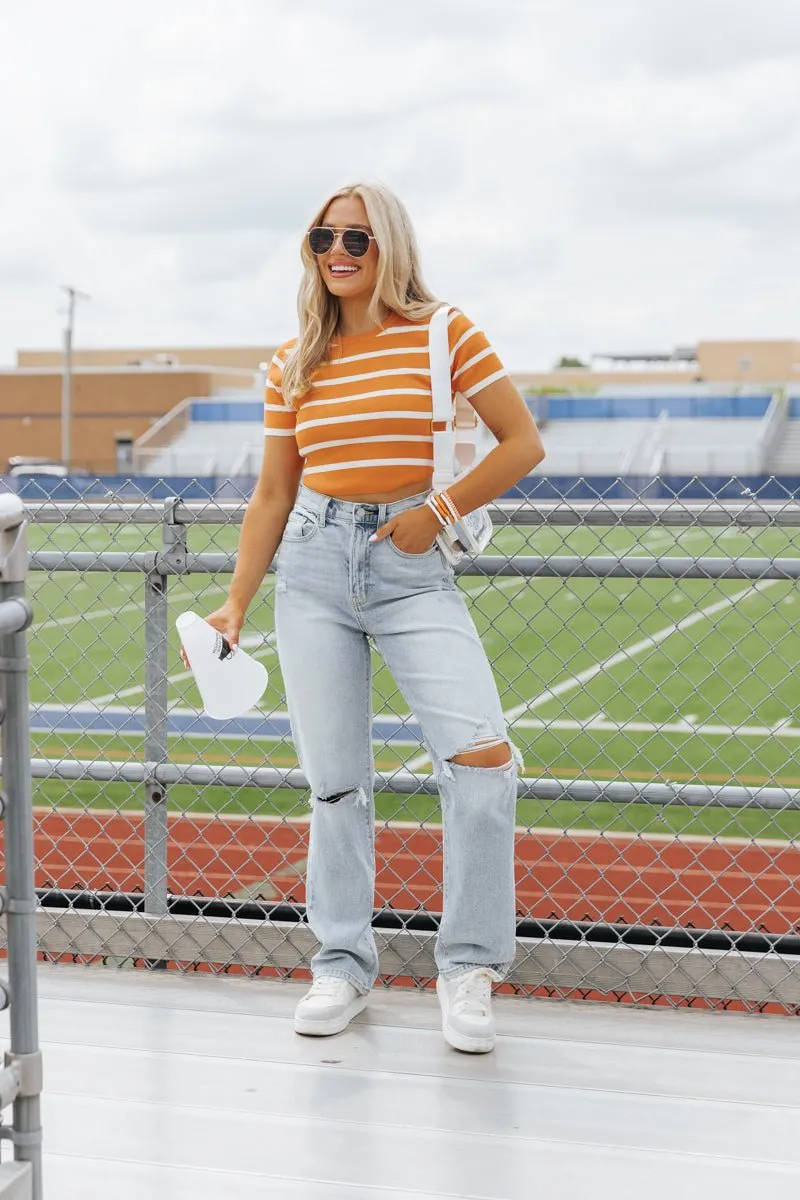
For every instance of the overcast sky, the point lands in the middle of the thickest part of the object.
(583, 175)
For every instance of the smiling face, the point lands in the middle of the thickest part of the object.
(344, 276)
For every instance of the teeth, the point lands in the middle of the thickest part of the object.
(343, 270)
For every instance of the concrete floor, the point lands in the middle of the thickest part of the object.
(186, 1087)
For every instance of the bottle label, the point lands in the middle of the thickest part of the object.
(222, 649)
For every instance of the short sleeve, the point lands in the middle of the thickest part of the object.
(473, 362)
(279, 419)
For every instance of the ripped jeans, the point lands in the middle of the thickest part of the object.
(336, 595)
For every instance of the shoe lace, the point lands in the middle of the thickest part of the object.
(474, 993)
(325, 985)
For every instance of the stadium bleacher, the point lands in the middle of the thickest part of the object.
(691, 430)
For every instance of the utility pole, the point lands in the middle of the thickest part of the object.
(66, 379)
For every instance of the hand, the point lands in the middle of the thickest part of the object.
(413, 531)
(227, 620)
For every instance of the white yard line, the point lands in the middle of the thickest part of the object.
(624, 655)
(96, 613)
(633, 651)
(98, 701)
(685, 726)
(503, 582)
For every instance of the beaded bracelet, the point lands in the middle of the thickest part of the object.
(433, 506)
(441, 504)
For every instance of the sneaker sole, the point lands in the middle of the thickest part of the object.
(469, 1045)
(461, 1041)
(308, 1027)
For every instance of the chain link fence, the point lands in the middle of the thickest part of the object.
(646, 654)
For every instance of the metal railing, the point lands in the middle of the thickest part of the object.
(615, 899)
(772, 429)
(21, 1075)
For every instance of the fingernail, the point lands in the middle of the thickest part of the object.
(373, 537)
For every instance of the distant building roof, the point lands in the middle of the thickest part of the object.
(684, 354)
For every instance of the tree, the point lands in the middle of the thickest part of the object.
(566, 361)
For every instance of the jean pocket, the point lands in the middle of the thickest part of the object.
(301, 526)
(429, 553)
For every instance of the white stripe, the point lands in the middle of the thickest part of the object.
(411, 437)
(473, 391)
(278, 362)
(281, 408)
(280, 432)
(421, 327)
(464, 338)
(372, 462)
(415, 326)
(368, 375)
(379, 354)
(368, 396)
(373, 416)
(476, 358)
(274, 387)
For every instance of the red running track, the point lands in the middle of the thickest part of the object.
(618, 878)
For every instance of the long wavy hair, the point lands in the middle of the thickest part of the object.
(399, 284)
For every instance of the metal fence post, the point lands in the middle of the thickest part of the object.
(21, 1077)
(171, 560)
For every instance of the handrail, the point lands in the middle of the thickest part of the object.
(770, 428)
(21, 1075)
(162, 423)
(659, 450)
(646, 446)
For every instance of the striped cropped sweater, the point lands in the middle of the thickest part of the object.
(364, 426)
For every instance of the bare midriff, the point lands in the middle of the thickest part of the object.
(383, 497)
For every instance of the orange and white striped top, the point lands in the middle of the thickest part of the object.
(364, 426)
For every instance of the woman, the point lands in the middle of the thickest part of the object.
(348, 408)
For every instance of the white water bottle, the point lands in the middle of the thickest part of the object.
(230, 683)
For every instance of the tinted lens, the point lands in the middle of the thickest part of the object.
(355, 242)
(320, 240)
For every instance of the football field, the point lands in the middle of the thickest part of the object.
(603, 679)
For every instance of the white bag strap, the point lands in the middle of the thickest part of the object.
(444, 436)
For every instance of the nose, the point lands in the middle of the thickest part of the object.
(338, 236)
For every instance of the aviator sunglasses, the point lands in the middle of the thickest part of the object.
(355, 241)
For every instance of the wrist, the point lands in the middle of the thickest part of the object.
(434, 523)
(236, 605)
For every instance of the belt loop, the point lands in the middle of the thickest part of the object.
(323, 512)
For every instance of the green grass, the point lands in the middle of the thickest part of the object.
(733, 668)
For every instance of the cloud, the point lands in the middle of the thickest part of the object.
(581, 176)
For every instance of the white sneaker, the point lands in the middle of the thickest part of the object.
(466, 1003)
(328, 1007)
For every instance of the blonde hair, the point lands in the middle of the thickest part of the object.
(399, 284)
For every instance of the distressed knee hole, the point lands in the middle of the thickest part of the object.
(486, 752)
(358, 794)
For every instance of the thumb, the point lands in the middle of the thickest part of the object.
(383, 532)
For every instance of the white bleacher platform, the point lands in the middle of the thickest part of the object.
(695, 446)
(211, 448)
(184, 1087)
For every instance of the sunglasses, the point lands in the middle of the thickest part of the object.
(355, 241)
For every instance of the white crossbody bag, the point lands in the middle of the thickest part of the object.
(472, 533)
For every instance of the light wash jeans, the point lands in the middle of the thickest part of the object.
(336, 595)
